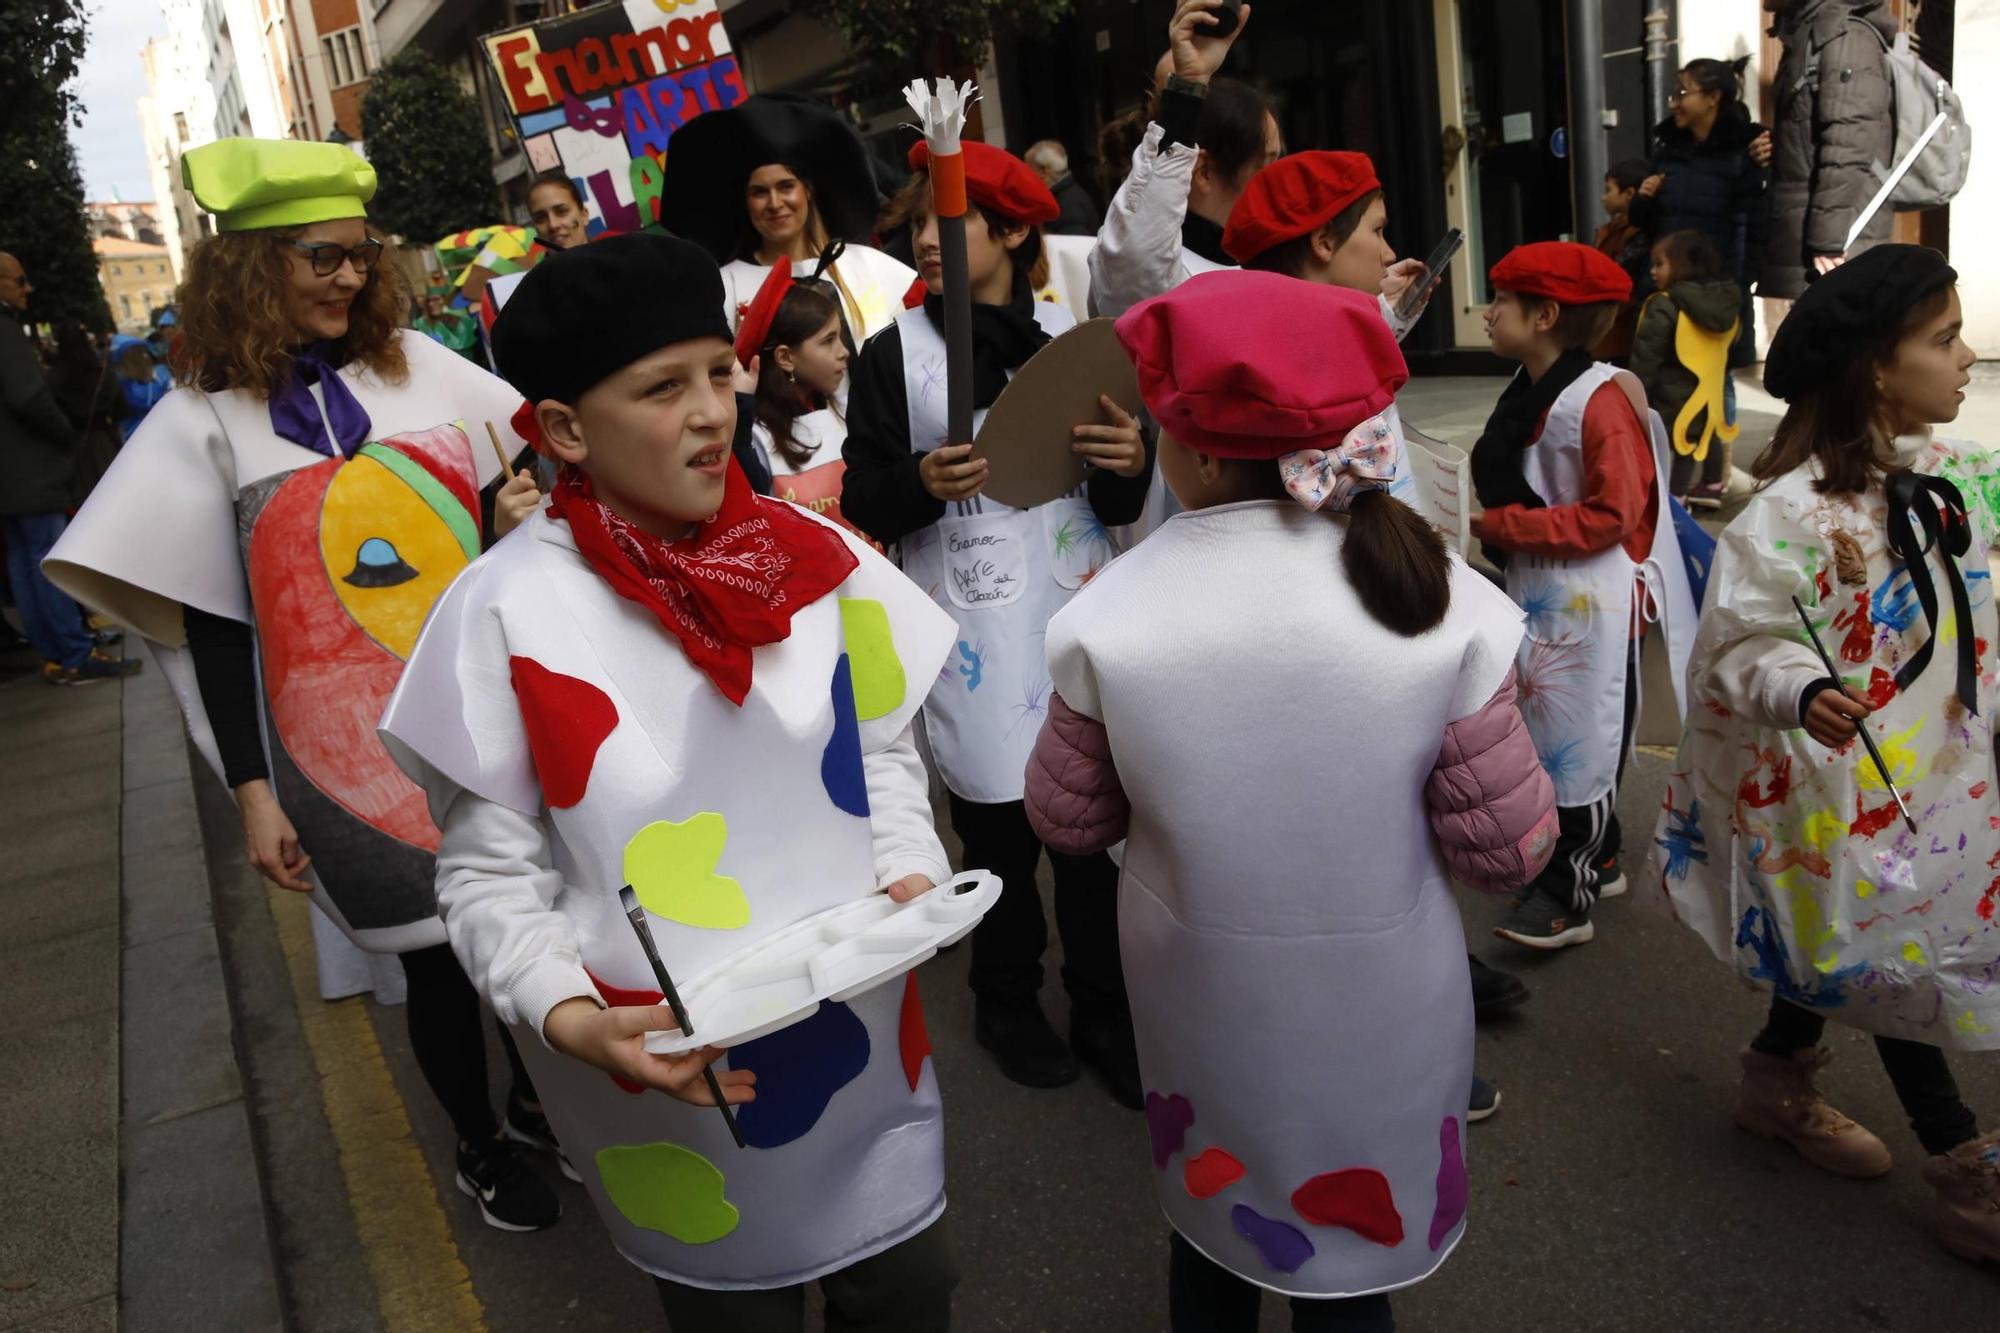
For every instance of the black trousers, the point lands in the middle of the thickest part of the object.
(443, 1012)
(1205, 1297)
(1008, 945)
(1922, 1079)
(1587, 834)
(905, 1289)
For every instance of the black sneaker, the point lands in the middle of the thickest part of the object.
(511, 1196)
(1028, 1049)
(1485, 1100)
(1539, 922)
(1494, 990)
(527, 1126)
(1610, 879)
(1107, 1046)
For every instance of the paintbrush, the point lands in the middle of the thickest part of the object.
(506, 463)
(637, 915)
(1860, 727)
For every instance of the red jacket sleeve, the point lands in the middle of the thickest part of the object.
(1619, 502)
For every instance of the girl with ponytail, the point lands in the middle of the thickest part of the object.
(1289, 701)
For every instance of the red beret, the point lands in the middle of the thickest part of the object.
(1295, 196)
(1001, 184)
(1562, 271)
(762, 311)
(1243, 364)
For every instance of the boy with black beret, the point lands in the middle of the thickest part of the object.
(665, 681)
(1576, 513)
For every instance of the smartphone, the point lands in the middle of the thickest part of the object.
(1226, 19)
(1435, 267)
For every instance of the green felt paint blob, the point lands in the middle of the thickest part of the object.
(672, 869)
(879, 683)
(667, 1188)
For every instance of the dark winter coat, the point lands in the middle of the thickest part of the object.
(1713, 303)
(38, 446)
(1080, 216)
(1834, 135)
(1712, 186)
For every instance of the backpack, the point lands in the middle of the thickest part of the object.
(1921, 96)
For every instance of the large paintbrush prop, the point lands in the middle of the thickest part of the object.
(941, 116)
(1861, 727)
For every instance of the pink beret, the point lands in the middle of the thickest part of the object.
(1562, 271)
(1243, 364)
(1295, 196)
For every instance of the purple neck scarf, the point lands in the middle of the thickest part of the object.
(295, 415)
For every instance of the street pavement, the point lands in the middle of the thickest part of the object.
(1610, 1192)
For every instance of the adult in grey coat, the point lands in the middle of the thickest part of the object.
(1834, 135)
(38, 451)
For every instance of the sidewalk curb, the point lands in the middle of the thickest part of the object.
(195, 1248)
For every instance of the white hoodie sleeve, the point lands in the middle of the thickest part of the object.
(1138, 250)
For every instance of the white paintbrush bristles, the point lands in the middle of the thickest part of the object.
(941, 114)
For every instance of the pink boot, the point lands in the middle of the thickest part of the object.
(1966, 1213)
(1778, 1101)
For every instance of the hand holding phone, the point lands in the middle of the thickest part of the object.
(1435, 266)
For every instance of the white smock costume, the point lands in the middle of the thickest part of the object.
(1294, 957)
(1790, 860)
(870, 284)
(1000, 573)
(334, 562)
(1583, 614)
(814, 481)
(569, 748)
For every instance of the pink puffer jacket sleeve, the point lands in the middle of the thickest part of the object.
(1491, 804)
(1075, 801)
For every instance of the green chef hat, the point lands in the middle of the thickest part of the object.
(250, 184)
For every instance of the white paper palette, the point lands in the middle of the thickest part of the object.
(833, 955)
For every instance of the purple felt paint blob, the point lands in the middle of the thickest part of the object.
(1280, 1245)
(1452, 1188)
(1168, 1120)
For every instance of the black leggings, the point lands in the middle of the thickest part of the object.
(1205, 1297)
(443, 1013)
(1922, 1079)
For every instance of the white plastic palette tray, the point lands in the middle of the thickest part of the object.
(834, 955)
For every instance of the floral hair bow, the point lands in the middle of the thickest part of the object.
(1331, 478)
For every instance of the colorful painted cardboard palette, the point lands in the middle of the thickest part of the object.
(833, 955)
(1026, 434)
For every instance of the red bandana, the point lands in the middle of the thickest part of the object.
(734, 585)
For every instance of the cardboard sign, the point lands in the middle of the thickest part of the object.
(598, 94)
(1026, 434)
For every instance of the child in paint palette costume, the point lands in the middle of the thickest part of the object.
(1296, 968)
(1000, 573)
(722, 721)
(1779, 843)
(278, 530)
(1571, 470)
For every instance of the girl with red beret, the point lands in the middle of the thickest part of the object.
(1577, 514)
(1212, 135)
(1000, 573)
(1285, 911)
(1781, 842)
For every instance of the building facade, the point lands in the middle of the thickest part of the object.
(138, 279)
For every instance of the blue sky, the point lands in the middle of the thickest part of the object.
(109, 149)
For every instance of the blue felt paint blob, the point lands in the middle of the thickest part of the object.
(840, 768)
(1281, 1246)
(799, 1069)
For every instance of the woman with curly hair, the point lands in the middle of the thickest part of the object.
(278, 529)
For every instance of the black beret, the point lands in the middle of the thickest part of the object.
(585, 314)
(1847, 311)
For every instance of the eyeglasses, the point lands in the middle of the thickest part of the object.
(326, 257)
(1682, 94)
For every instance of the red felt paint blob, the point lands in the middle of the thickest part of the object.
(913, 1038)
(1358, 1199)
(620, 998)
(1210, 1173)
(567, 720)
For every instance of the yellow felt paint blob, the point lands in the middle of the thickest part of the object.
(672, 869)
(879, 682)
(1913, 952)
(667, 1188)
